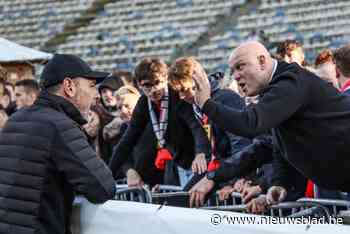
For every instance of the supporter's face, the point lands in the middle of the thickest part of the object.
(297, 56)
(23, 98)
(85, 94)
(250, 74)
(108, 98)
(327, 72)
(154, 89)
(186, 90)
(126, 105)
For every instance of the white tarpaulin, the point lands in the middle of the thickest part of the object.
(130, 217)
(12, 52)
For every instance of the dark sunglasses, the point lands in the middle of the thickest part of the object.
(149, 85)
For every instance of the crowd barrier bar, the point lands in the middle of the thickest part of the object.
(133, 194)
(336, 205)
(168, 195)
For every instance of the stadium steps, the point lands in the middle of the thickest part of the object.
(219, 26)
(72, 29)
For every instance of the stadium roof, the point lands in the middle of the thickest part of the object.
(11, 52)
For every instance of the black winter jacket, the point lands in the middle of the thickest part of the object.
(45, 159)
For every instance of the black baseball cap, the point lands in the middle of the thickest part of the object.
(61, 66)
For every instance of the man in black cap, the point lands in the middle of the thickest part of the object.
(108, 111)
(106, 89)
(45, 158)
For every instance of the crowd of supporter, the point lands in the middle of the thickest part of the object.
(148, 128)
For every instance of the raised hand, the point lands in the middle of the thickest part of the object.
(202, 86)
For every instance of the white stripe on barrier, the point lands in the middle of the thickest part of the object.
(132, 217)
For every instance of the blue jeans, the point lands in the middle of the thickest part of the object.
(184, 176)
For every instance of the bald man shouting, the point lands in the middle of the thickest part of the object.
(310, 118)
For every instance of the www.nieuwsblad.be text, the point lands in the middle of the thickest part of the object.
(217, 219)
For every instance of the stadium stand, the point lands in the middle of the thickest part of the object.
(124, 31)
(127, 31)
(318, 24)
(34, 22)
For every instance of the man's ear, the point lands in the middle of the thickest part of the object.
(69, 87)
(337, 72)
(33, 96)
(262, 61)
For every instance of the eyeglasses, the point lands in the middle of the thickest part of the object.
(149, 85)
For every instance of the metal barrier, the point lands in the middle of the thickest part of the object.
(235, 199)
(120, 181)
(174, 196)
(317, 211)
(121, 186)
(159, 189)
(133, 194)
(168, 189)
(334, 205)
(297, 209)
(144, 194)
(280, 210)
(179, 198)
(285, 209)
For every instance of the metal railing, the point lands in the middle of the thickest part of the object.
(335, 206)
(133, 194)
(174, 196)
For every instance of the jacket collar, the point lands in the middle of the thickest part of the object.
(60, 104)
(282, 67)
(346, 86)
(274, 68)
